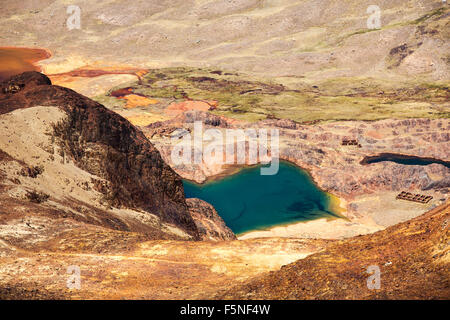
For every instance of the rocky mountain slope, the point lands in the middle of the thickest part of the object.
(72, 157)
(413, 259)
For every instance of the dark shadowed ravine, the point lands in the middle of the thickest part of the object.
(249, 201)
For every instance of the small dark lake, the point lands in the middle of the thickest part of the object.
(250, 201)
(403, 159)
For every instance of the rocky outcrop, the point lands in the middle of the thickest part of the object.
(209, 224)
(106, 145)
(440, 184)
(22, 81)
(318, 149)
(342, 169)
(187, 117)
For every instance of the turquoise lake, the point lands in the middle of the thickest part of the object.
(249, 201)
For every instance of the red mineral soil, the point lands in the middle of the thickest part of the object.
(92, 72)
(133, 99)
(17, 60)
(177, 108)
(120, 93)
(14, 61)
(93, 80)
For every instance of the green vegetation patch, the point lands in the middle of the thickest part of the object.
(251, 99)
(429, 15)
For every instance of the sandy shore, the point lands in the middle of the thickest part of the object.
(317, 229)
(374, 212)
(321, 228)
(364, 214)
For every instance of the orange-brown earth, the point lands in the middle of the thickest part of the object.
(65, 78)
(17, 60)
(413, 258)
(97, 79)
(133, 100)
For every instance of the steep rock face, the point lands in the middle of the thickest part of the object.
(209, 224)
(104, 144)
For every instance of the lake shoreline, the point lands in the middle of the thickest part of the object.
(292, 229)
(348, 224)
(231, 170)
(329, 206)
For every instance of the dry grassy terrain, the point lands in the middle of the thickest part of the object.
(250, 98)
(309, 38)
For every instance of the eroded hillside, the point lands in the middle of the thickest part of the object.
(66, 153)
(413, 258)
